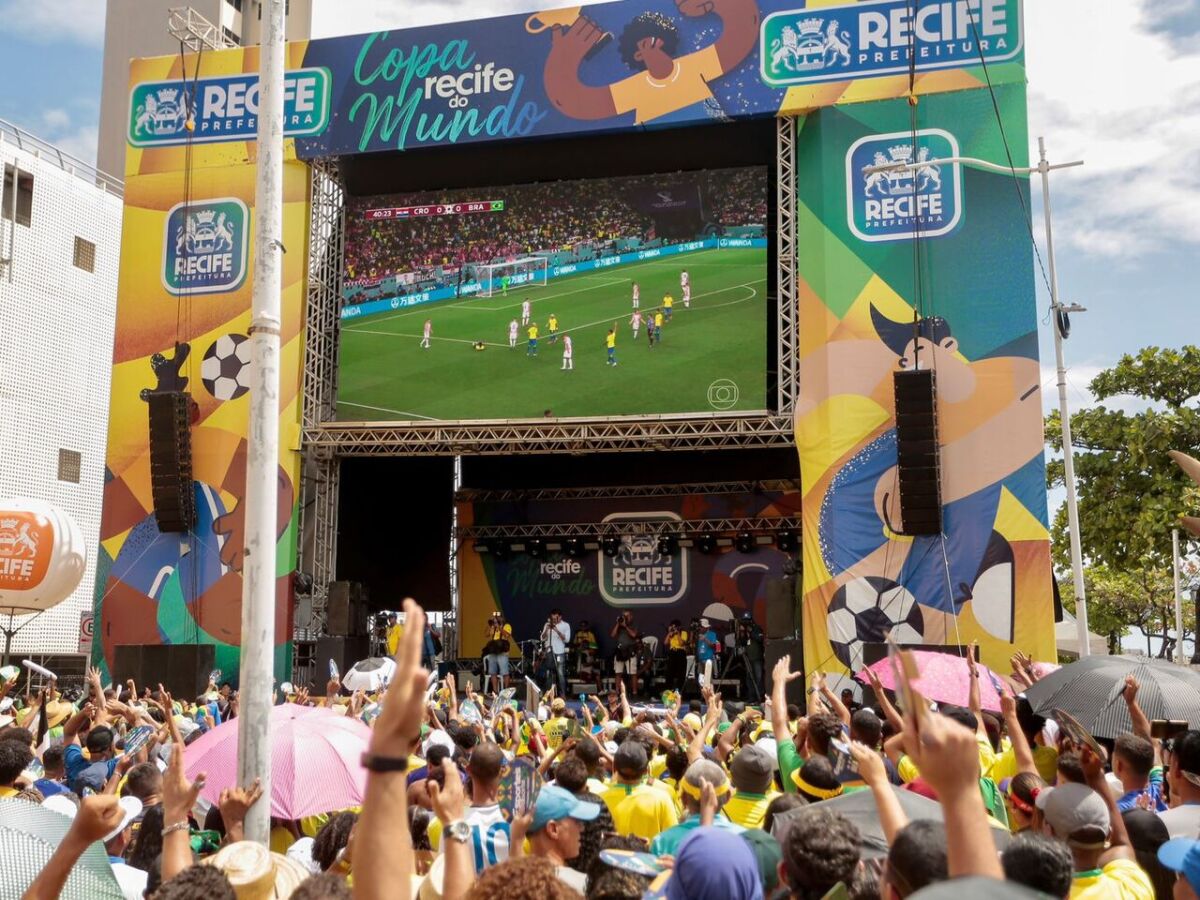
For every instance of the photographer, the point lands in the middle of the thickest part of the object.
(625, 660)
(495, 652)
(748, 644)
(558, 634)
(678, 645)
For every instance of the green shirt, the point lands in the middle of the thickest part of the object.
(790, 761)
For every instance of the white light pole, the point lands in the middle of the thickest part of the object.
(1178, 596)
(1057, 315)
(262, 458)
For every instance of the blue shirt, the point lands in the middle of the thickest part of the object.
(49, 788)
(1154, 790)
(76, 764)
(704, 651)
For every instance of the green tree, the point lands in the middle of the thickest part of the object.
(1131, 493)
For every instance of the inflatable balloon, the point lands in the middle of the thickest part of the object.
(42, 556)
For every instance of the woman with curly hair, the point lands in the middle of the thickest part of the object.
(527, 878)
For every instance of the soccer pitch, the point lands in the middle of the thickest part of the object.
(386, 375)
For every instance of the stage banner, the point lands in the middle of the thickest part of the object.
(183, 313)
(603, 67)
(596, 588)
(969, 284)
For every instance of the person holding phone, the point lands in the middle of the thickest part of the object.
(678, 643)
(625, 659)
(557, 634)
(495, 652)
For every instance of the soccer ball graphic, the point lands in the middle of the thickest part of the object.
(867, 610)
(225, 369)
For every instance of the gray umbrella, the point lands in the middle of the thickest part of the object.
(1090, 690)
(29, 835)
(859, 807)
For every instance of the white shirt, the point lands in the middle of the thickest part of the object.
(1182, 821)
(489, 836)
(525, 307)
(428, 327)
(131, 880)
(577, 880)
(512, 327)
(683, 278)
(558, 645)
(567, 352)
(636, 320)
(635, 292)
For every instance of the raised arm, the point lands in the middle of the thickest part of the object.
(781, 676)
(1119, 846)
(974, 700)
(1141, 724)
(739, 27)
(834, 701)
(889, 710)
(570, 96)
(1020, 744)
(870, 768)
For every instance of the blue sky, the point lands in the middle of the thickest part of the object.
(1119, 90)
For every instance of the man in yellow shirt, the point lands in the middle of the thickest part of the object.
(394, 632)
(751, 772)
(668, 302)
(678, 644)
(662, 83)
(552, 326)
(533, 334)
(558, 726)
(658, 323)
(610, 341)
(637, 808)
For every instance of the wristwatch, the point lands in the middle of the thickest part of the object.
(373, 762)
(458, 831)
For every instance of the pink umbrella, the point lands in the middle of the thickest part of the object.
(944, 678)
(315, 756)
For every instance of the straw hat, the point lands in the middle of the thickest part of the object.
(57, 712)
(256, 873)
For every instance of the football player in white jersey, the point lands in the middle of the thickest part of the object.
(687, 296)
(568, 357)
(512, 335)
(636, 296)
(428, 332)
(525, 313)
(683, 279)
(636, 321)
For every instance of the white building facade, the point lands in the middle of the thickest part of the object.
(60, 238)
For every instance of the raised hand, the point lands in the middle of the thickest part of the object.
(234, 804)
(870, 764)
(448, 799)
(399, 724)
(1129, 692)
(708, 804)
(98, 815)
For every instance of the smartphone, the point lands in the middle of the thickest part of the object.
(1166, 729)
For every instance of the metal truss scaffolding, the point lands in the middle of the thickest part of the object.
(622, 492)
(788, 341)
(598, 530)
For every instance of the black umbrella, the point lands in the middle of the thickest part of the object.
(859, 807)
(1090, 690)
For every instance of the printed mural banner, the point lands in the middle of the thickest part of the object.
(183, 313)
(988, 577)
(597, 588)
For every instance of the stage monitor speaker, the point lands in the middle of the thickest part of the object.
(171, 460)
(781, 607)
(345, 651)
(777, 649)
(183, 669)
(346, 609)
(917, 452)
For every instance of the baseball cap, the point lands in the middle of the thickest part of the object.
(438, 738)
(752, 769)
(1070, 808)
(704, 622)
(1183, 855)
(554, 803)
(693, 721)
(768, 853)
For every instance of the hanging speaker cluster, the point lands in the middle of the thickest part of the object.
(917, 450)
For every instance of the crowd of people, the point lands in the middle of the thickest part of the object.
(583, 218)
(704, 799)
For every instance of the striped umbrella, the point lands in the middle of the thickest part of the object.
(315, 755)
(29, 835)
(1090, 690)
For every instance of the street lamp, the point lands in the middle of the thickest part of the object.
(1061, 324)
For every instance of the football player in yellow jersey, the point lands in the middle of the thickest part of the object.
(552, 327)
(668, 302)
(533, 333)
(610, 341)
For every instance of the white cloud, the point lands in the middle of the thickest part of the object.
(1112, 90)
(50, 21)
(55, 119)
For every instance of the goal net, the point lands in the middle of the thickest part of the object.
(496, 278)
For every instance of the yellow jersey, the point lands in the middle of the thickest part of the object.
(668, 301)
(610, 339)
(553, 324)
(640, 809)
(393, 638)
(678, 641)
(533, 332)
(658, 320)
(747, 809)
(1122, 878)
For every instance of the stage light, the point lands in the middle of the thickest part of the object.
(483, 547)
(611, 546)
(786, 541)
(573, 547)
(706, 543)
(668, 545)
(499, 548)
(535, 547)
(744, 542)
